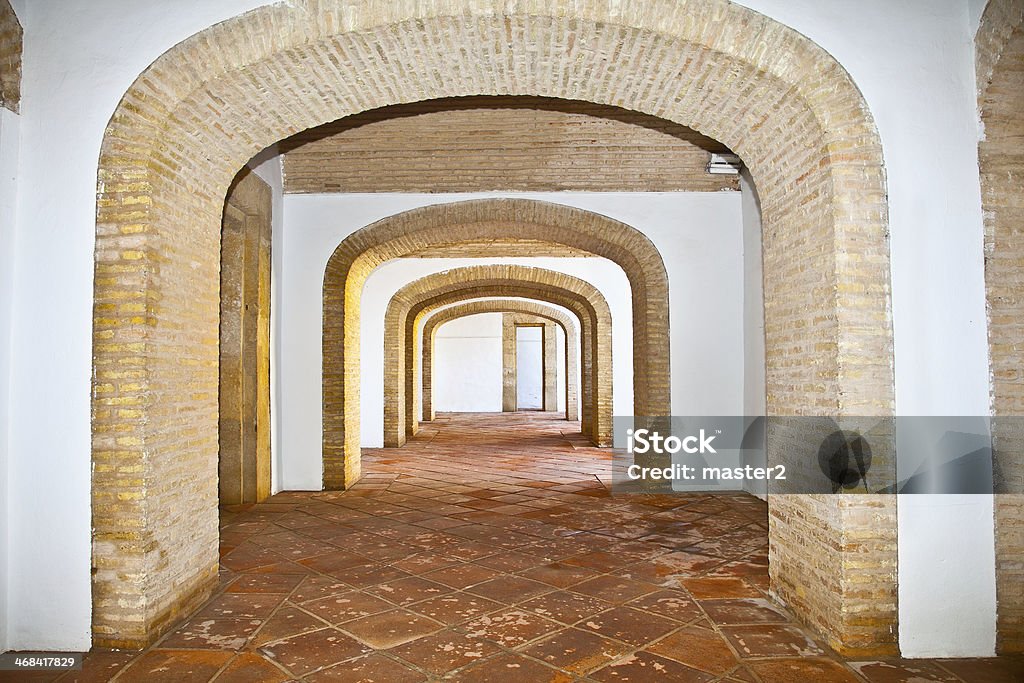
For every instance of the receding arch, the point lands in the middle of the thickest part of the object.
(439, 318)
(207, 105)
(505, 221)
(1000, 69)
(412, 303)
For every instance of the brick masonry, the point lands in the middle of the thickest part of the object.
(11, 39)
(472, 144)
(206, 106)
(535, 310)
(411, 304)
(1000, 77)
(244, 425)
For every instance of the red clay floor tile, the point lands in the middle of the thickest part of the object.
(388, 629)
(906, 671)
(248, 667)
(307, 652)
(629, 625)
(803, 670)
(456, 608)
(643, 667)
(444, 651)
(576, 650)
(511, 627)
(698, 648)
(511, 668)
(175, 666)
(772, 640)
(373, 668)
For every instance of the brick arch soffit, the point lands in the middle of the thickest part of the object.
(207, 105)
(470, 221)
(999, 21)
(440, 317)
(417, 300)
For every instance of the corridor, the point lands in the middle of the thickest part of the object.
(490, 549)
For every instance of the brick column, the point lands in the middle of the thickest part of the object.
(244, 424)
(550, 350)
(509, 369)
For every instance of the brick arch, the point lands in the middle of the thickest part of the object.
(1000, 67)
(538, 310)
(413, 303)
(207, 105)
(436, 226)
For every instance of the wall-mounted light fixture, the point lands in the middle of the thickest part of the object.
(724, 164)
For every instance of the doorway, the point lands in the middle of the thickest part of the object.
(530, 367)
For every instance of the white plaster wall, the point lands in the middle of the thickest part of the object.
(80, 57)
(913, 60)
(467, 365)
(529, 368)
(9, 123)
(975, 8)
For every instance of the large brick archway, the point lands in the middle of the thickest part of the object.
(1000, 70)
(492, 227)
(531, 308)
(417, 300)
(206, 106)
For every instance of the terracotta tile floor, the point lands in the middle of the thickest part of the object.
(489, 549)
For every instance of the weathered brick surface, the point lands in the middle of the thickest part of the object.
(442, 225)
(244, 425)
(11, 38)
(201, 110)
(1000, 71)
(509, 246)
(537, 312)
(414, 302)
(510, 323)
(471, 144)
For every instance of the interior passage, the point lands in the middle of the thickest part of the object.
(490, 548)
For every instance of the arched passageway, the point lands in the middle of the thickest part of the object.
(206, 106)
(517, 227)
(572, 345)
(419, 298)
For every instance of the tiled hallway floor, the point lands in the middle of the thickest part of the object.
(489, 549)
